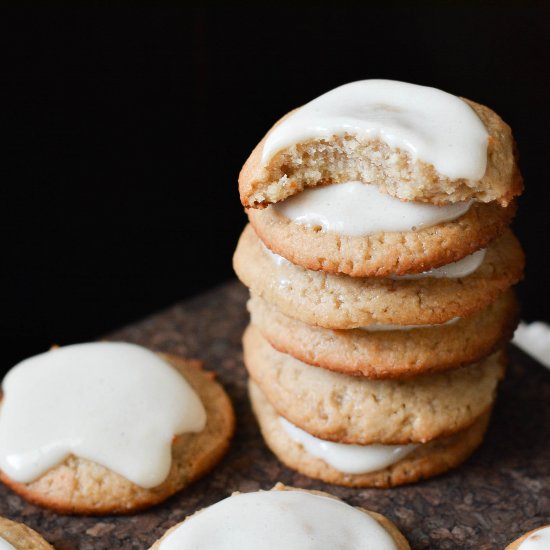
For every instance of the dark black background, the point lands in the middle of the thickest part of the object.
(126, 130)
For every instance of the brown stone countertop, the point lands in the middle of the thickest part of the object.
(500, 493)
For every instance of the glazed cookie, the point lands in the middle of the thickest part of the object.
(350, 409)
(283, 517)
(415, 143)
(392, 249)
(537, 539)
(342, 302)
(390, 352)
(17, 536)
(366, 466)
(153, 424)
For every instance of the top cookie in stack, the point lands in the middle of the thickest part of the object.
(409, 142)
(379, 249)
(414, 142)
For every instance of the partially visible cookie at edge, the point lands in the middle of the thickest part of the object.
(231, 537)
(537, 539)
(22, 537)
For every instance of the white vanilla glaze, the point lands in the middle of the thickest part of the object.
(539, 540)
(534, 339)
(348, 459)
(116, 404)
(283, 282)
(455, 270)
(5, 545)
(276, 259)
(431, 125)
(379, 327)
(272, 520)
(357, 209)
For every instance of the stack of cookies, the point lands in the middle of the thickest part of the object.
(380, 262)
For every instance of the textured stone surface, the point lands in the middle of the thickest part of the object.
(500, 493)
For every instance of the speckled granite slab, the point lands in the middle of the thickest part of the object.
(500, 493)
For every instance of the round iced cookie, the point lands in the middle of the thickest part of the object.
(17, 536)
(342, 302)
(334, 463)
(379, 352)
(109, 427)
(537, 539)
(356, 410)
(283, 517)
(414, 142)
(392, 248)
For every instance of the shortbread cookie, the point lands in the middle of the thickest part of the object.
(20, 537)
(342, 302)
(351, 409)
(424, 460)
(381, 254)
(284, 517)
(78, 485)
(390, 352)
(339, 137)
(537, 539)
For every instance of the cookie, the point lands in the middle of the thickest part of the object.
(425, 460)
(347, 155)
(383, 253)
(537, 539)
(21, 537)
(284, 517)
(356, 410)
(81, 486)
(397, 353)
(342, 302)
